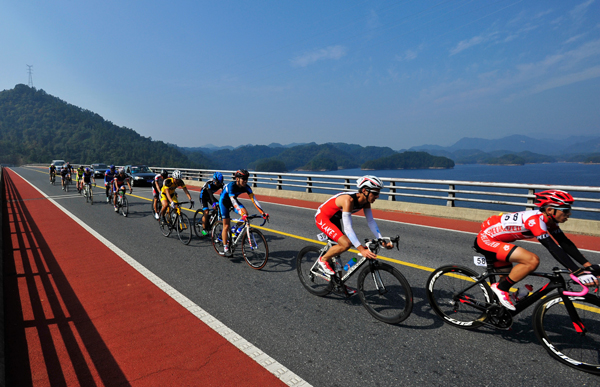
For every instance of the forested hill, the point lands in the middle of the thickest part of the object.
(36, 127)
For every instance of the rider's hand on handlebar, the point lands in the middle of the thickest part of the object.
(366, 252)
(387, 244)
(265, 216)
(587, 279)
(173, 205)
(191, 204)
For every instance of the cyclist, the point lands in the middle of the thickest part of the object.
(109, 176)
(168, 196)
(498, 231)
(65, 174)
(52, 170)
(208, 199)
(78, 178)
(340, 207)
(228, 200)
(119, 184)
(87, 177)
(157, 184)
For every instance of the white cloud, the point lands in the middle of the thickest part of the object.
(574, 38)
(464, 44)
(407, 56)
(331, 52)
(579, 11)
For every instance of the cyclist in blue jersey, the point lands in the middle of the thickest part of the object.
(109, 176)
(229, 200)
(208, 199)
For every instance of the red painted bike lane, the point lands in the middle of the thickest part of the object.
(77, 314)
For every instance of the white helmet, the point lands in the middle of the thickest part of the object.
(370, 182)
(176, 174)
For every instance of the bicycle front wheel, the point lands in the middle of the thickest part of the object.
(165, 224)
(124, 206)
(574, 343)
(197, 223)
(309, 273)
(184, 230)
(452, 296)
(385, 293)
(255, 250)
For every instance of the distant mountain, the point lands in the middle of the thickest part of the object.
(477, 150)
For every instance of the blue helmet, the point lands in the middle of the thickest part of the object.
(218, 177)
(112, 168)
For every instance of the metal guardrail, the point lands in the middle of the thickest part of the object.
(473, 191)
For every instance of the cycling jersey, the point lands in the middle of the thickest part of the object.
(119, 181)
(109, 176)
(52, 169)
(87, 177)
(499, 230)
(170, 185)
(157, 185)
(79, 173)
(64, 172)
(329, 214)
(207, 197)
(229, 196)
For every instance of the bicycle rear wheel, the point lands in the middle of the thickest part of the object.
(309, 273)
(385, 293)
(197, 223)
(184, 230)
(124, 206)
(255, 250)
(570, 342)
(216, 236)
(451, 300)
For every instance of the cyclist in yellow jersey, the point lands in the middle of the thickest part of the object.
(79, 178)
(168, 196)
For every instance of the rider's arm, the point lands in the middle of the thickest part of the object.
(347, 220)
(187, 193)
(371, 222)
(256, 203)
(559, 254)
(239, 208)
(569, 247)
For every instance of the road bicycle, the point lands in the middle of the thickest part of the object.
(213, 217)
(122, 203)
(158, 206)
(52, 178)
(255, 249)
(567, 323)
(175, 219)
(88, 193)
(382, 289)
(67, 181)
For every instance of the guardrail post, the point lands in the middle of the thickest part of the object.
(451, 196)
(279, 182)
(254, 180)
(308, 184)
(392, 191)
(530, 205)
(347, 184)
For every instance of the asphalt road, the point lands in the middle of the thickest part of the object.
(330, 341)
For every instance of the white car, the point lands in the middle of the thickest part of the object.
(59, 165)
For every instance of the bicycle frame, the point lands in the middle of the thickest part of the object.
(239, 234)
(556, 281)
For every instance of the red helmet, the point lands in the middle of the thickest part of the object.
(553, 198)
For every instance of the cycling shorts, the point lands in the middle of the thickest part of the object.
(330, 226)
(204, 195)
(494, 251)
(163, 197)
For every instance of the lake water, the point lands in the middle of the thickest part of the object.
(548, 174)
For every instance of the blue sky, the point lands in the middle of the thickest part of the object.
(386, 73)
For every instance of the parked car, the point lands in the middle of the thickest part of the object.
(98, 169)
(59, 165)
(139, 175)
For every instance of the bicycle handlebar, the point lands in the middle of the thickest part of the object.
(254, 216)
(374, 244)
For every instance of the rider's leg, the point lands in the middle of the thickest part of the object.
(526, 262)
(205, 218)
(343, 244)
(226, 231)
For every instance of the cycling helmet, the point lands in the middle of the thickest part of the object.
(121, 171)
(218, 177)
(553, 198)
(112, 168)
(369, 182)
(87, 170)
(176, 174)
(242, 173)
(164, 173)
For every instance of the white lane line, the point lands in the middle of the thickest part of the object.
(267, 362)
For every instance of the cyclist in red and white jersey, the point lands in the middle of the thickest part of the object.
(497, 233)
(341, 207)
